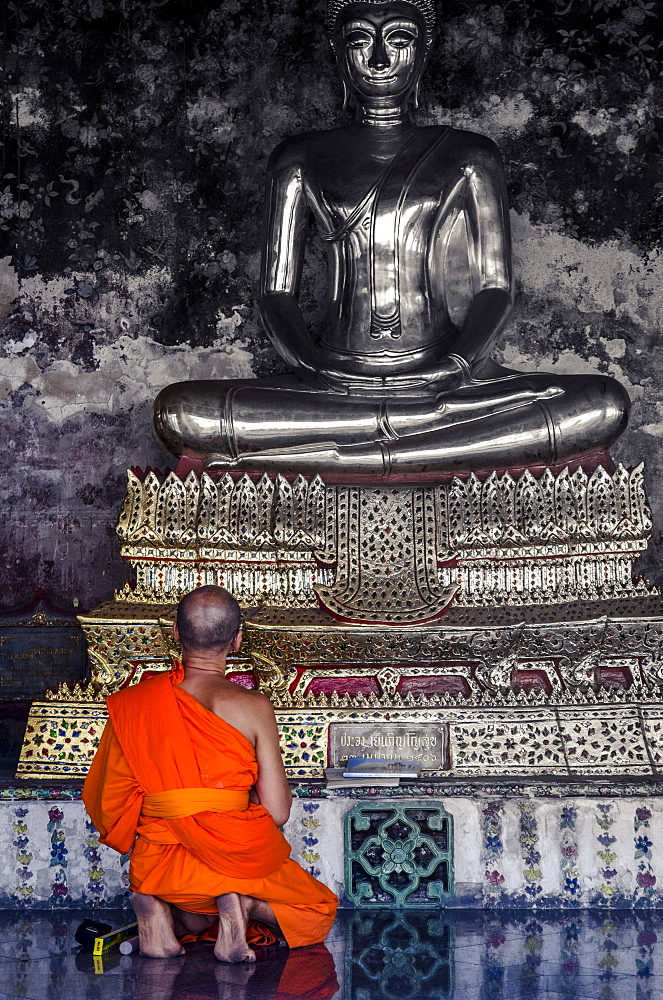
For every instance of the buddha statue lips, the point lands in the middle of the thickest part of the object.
(415, 222)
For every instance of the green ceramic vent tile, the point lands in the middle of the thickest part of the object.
(398, 854)
(399, 956)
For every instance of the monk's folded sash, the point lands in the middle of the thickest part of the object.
(238, 841)
(177, 803)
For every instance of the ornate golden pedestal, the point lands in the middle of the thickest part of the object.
(388, 554)
(548, 662)
(572, 690)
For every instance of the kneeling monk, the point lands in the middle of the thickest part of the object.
(188, 777)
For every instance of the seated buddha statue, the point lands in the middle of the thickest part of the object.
(416, 224)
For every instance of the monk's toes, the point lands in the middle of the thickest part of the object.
(240, 954)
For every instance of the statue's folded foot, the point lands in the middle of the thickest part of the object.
(231, 943)
(503, 424)
(156, 934)
(366, 458)
(220, 463)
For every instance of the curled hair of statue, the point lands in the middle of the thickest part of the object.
(425, 7)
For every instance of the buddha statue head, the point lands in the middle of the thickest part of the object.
(381, 48)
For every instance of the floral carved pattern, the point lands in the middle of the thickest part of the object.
(398, 853)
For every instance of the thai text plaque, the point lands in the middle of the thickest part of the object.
(426, 744)
(41, 645)
(33, 660)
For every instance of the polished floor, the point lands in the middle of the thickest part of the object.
(461, 955)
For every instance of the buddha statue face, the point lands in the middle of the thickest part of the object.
(381, 50)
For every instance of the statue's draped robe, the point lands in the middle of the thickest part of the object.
(163, 755)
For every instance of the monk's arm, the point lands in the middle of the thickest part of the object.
(272, 786)
(112, 795)
(284, 239)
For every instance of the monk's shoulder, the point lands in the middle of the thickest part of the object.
(137, 694)
(254, 700)
(243, 700)
(248, 711)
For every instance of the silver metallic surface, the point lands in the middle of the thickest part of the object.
(416, 225)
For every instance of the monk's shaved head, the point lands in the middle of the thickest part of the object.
(208, 619)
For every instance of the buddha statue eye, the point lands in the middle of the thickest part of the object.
(358, 39)
(400, 38)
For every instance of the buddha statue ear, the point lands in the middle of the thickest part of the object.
(346, 94)
(429, 49)
(344, 84)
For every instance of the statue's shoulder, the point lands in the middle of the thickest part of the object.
(472, 144)
(307, 150)
(300, 149)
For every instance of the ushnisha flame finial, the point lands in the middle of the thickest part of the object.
(425, 7)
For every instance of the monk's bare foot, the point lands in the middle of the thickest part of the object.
(231, 943)
(156, 936)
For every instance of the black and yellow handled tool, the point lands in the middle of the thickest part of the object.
(101, 937)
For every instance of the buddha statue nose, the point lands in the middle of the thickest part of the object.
(379, 58)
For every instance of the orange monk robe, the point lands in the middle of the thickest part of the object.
(169, 783)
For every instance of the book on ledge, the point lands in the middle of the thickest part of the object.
(369, 767)
(334, 779)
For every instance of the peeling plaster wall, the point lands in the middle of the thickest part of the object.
(135, 138)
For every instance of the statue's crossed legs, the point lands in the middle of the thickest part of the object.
(287, 424)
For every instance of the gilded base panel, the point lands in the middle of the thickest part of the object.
(301, 659)
(127, 640)
(298, 656)
(61, 737)
(388, 553)
(560, 691)
(590, 738)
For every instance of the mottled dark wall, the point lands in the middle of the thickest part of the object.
(135, 136)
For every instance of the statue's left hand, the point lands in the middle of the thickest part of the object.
(444, 376)
(448, 374)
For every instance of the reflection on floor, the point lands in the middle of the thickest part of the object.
(433, 955)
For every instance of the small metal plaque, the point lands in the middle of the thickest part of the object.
(34, 660)
(425, 744)
(41, 645)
